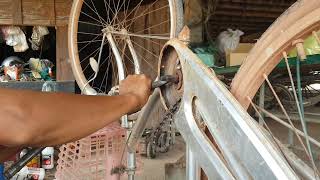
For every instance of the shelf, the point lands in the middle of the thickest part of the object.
(61, 86)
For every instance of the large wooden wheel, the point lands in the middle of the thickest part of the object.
(288, 32)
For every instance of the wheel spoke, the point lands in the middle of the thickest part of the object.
(134, 9)
(147, 62)
(120, 23)
(102, 21)
(151, 27)
(89, 23)
(85, 42)
(94, 39)
(299, 108)
(88, 56)
(315, 34)
(115, 17)
(92, 18)
(145, 49)
(142, 15)
(282, 122)
(290, 121)
(146, 36)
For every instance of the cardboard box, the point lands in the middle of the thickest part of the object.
(236, 57)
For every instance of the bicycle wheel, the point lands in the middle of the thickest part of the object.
(261, 68)
(109, 39)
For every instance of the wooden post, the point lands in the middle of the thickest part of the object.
(64, 71)
(17, 12)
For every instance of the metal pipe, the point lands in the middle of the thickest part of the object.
(303, 122)
(142, 120)
(131, 165)
(121, 73)
(134, 55)
(192, 169)
(124, 119)
(99, 57)
(261, 102)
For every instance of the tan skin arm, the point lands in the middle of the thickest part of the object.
(36, 119)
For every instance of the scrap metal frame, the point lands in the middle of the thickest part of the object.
(241, 148)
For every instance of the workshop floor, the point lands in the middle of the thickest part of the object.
(282, 133)
(154, 169)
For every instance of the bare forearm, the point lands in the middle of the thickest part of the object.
(40, 119)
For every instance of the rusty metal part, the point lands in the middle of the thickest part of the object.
(170, 65)
(300, 49)
(163, 80)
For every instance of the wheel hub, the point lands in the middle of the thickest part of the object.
(170, 65)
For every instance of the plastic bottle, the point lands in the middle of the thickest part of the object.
(30, 173)
(47, 158)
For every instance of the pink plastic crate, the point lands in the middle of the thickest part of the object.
(93, 157)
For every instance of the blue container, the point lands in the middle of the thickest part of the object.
(1, 172)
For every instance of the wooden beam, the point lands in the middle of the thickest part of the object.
(286, 3)
(38, 12)
(251, 7)
(17, 12)
(64, 71)
(241, 13)
(63, 8)
(240, 25)
(241, 19)
(35, 12)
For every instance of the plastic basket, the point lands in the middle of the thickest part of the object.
(93, 157)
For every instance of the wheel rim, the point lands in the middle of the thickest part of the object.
(128, 18)
(303, 19)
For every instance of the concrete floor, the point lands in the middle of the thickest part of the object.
(282, 133)
(154, 169)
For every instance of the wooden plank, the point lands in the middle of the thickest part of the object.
(37, 12)
(64, 71)
(193, 17)
(63, 8)
(6, 8)
(17, 12)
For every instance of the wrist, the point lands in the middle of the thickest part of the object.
(132, 101)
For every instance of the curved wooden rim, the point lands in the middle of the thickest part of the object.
(296, 23)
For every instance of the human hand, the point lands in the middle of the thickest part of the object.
(138, 87)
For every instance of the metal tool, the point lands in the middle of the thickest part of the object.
(16, 167)
(163, 80)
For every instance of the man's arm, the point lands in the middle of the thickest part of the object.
(43, 119)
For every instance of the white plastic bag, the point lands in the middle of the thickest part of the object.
(228, 40)
(37, 37)
(15, 37)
